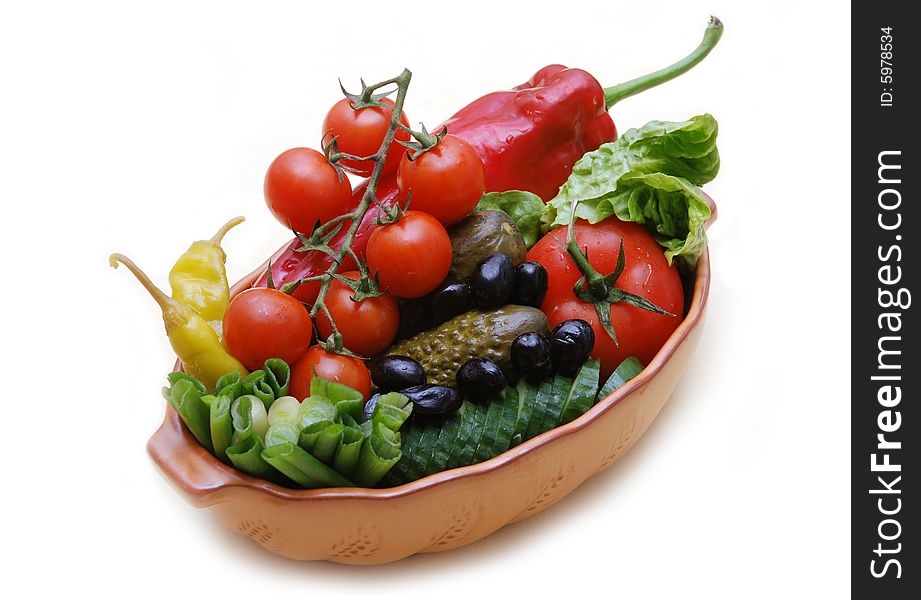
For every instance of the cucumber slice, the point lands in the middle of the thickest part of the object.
(487, 444)
(581, 394)
(406, 469)
(507, 421)
(433, 427)
(545, 392)
(472, 429)
(444, 445)
(625, 371)
(561, 387)
(527, 398)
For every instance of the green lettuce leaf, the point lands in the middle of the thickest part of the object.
(648, 176)
(524, 208)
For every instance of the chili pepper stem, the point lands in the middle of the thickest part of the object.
(159, 296)
(218, 237)
(616, 93)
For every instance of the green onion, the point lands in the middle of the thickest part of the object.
(247, 456)
(186, 398)
(380, 451)
(256, 385)
(282, 420)
(277, 376)
(229, 384)
(249, 418)
(349, 450)
(392, 410)
(221, 426)
(303, 468)
(327, 442)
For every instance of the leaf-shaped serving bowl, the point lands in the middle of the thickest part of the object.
(442, 511)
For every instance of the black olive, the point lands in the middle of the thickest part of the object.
(531, 355)
(493, 280)
(530, 284)
(450, 299)
(571, 342)
(415, 316)
(433, 399)
(368, 408)
(395, 372)
(480, 378)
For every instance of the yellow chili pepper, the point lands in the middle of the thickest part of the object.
(199, 279)
(192, 338)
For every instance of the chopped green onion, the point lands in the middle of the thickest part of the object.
(186, 398)
(301, 467)
(221, 426)
(256, 385)
(327, 442)
(379, 453)
(247, 456)
(349, 450)
(249, 418)
(392, 410)
(277, 376)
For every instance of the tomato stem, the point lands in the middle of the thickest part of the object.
(321, 236)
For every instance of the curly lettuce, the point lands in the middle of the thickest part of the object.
(649, 176)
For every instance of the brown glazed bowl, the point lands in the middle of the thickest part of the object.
(442, 511)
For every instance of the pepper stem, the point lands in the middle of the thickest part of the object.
(219, 236)
(616, 93)
(159, 296)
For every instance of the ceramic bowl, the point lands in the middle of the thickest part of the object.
(442, 511)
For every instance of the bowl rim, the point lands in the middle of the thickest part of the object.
(228, 477)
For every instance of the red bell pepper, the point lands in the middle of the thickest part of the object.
(529, 139)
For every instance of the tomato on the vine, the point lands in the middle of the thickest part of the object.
(262, 323)
(367, 326)
(412, 256)
(640, 332)
(361, 131)
(346, 370)
(446, 181)
(302, 188)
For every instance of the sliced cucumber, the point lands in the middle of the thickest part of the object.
(625, 371)
(472, 430)
(541, 409)
(581, 394)
(527, 397)
(487, 446)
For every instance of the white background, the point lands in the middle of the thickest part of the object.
(141, 128)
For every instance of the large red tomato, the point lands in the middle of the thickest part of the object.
(640, 333)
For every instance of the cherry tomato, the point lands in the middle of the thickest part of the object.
(640, 333)
(361, 132)
(346, 370)
(412, 256)
(262, 323)
(446, 181)
(301, 188)
(368, 326)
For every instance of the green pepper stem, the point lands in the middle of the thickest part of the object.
(616, 93)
